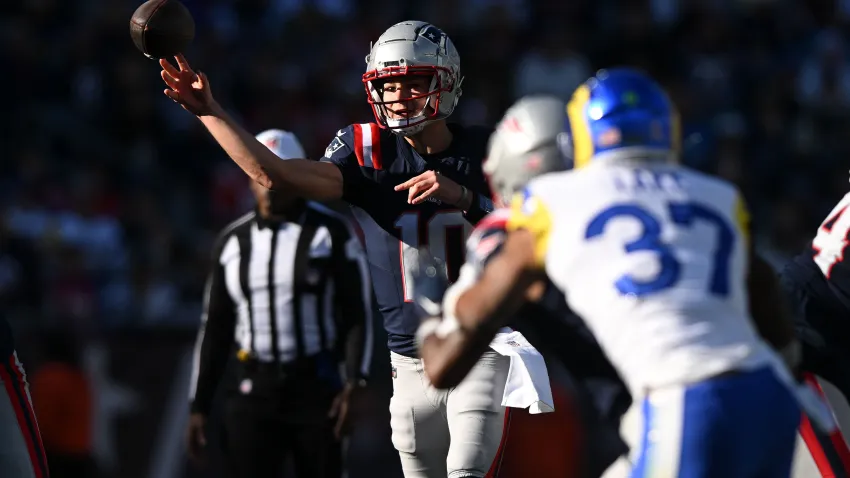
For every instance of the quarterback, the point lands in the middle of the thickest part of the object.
(411, 179)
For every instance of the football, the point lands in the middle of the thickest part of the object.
(162, 28)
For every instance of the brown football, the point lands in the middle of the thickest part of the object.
(162, 28)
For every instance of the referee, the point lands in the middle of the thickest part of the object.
(289, 285)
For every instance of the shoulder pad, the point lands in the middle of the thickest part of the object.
(360, 141)
(487, 238)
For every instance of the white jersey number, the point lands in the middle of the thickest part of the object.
(436, 228)
(831, 239)
(669, 270)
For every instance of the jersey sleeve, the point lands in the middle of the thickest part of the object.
(529, 212)
(742, 217)
(487, 238)
(343, 153)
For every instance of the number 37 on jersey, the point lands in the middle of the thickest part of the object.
(717, 243)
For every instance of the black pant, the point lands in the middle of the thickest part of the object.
(277, 412)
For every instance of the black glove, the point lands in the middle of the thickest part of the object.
(430, 281)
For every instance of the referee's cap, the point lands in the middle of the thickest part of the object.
(282, 143)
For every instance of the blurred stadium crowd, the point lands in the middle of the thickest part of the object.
(110, 195)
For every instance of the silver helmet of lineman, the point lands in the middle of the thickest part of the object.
(529, 141)
(414, 48)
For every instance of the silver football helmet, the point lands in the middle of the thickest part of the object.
(414, 48)
(529, 141)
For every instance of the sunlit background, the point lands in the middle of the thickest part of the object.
(110, 194)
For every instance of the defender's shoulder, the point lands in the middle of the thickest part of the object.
(554, 186)
(357, 145)
(706, 182)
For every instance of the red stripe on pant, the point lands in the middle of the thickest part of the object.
(829, 452)
(14, 381)
(500, 455)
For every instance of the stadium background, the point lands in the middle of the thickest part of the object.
(110, 195)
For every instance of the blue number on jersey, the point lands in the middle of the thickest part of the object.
(683, 214)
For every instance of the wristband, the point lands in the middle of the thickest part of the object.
(480, 207)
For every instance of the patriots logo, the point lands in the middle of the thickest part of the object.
(272, 143)
(534, 162)
(433, 34)
(335, 146)
(511, 124)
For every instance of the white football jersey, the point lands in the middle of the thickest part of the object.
(654, 259)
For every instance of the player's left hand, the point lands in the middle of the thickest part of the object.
(431, 184)
(341, 409)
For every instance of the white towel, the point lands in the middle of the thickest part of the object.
(528, 380)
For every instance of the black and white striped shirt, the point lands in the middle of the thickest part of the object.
(284, 291)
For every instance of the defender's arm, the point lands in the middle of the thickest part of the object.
(482, 310)
(450, 355)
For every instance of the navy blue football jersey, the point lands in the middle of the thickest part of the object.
(816, 283)
(373, 161)
(822, 268)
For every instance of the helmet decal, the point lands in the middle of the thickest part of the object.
(434, 35)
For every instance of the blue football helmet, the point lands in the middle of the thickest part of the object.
(621, 112)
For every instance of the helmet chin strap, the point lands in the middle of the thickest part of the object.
(410, 130)
(397, 126)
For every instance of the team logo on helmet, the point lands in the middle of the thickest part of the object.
(511, 124)
(433, 34)
(610, 137)
(534, 162)
(272, 143)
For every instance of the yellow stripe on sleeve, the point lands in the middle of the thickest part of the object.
(529, 213)
(579, 127)
(742, 217)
